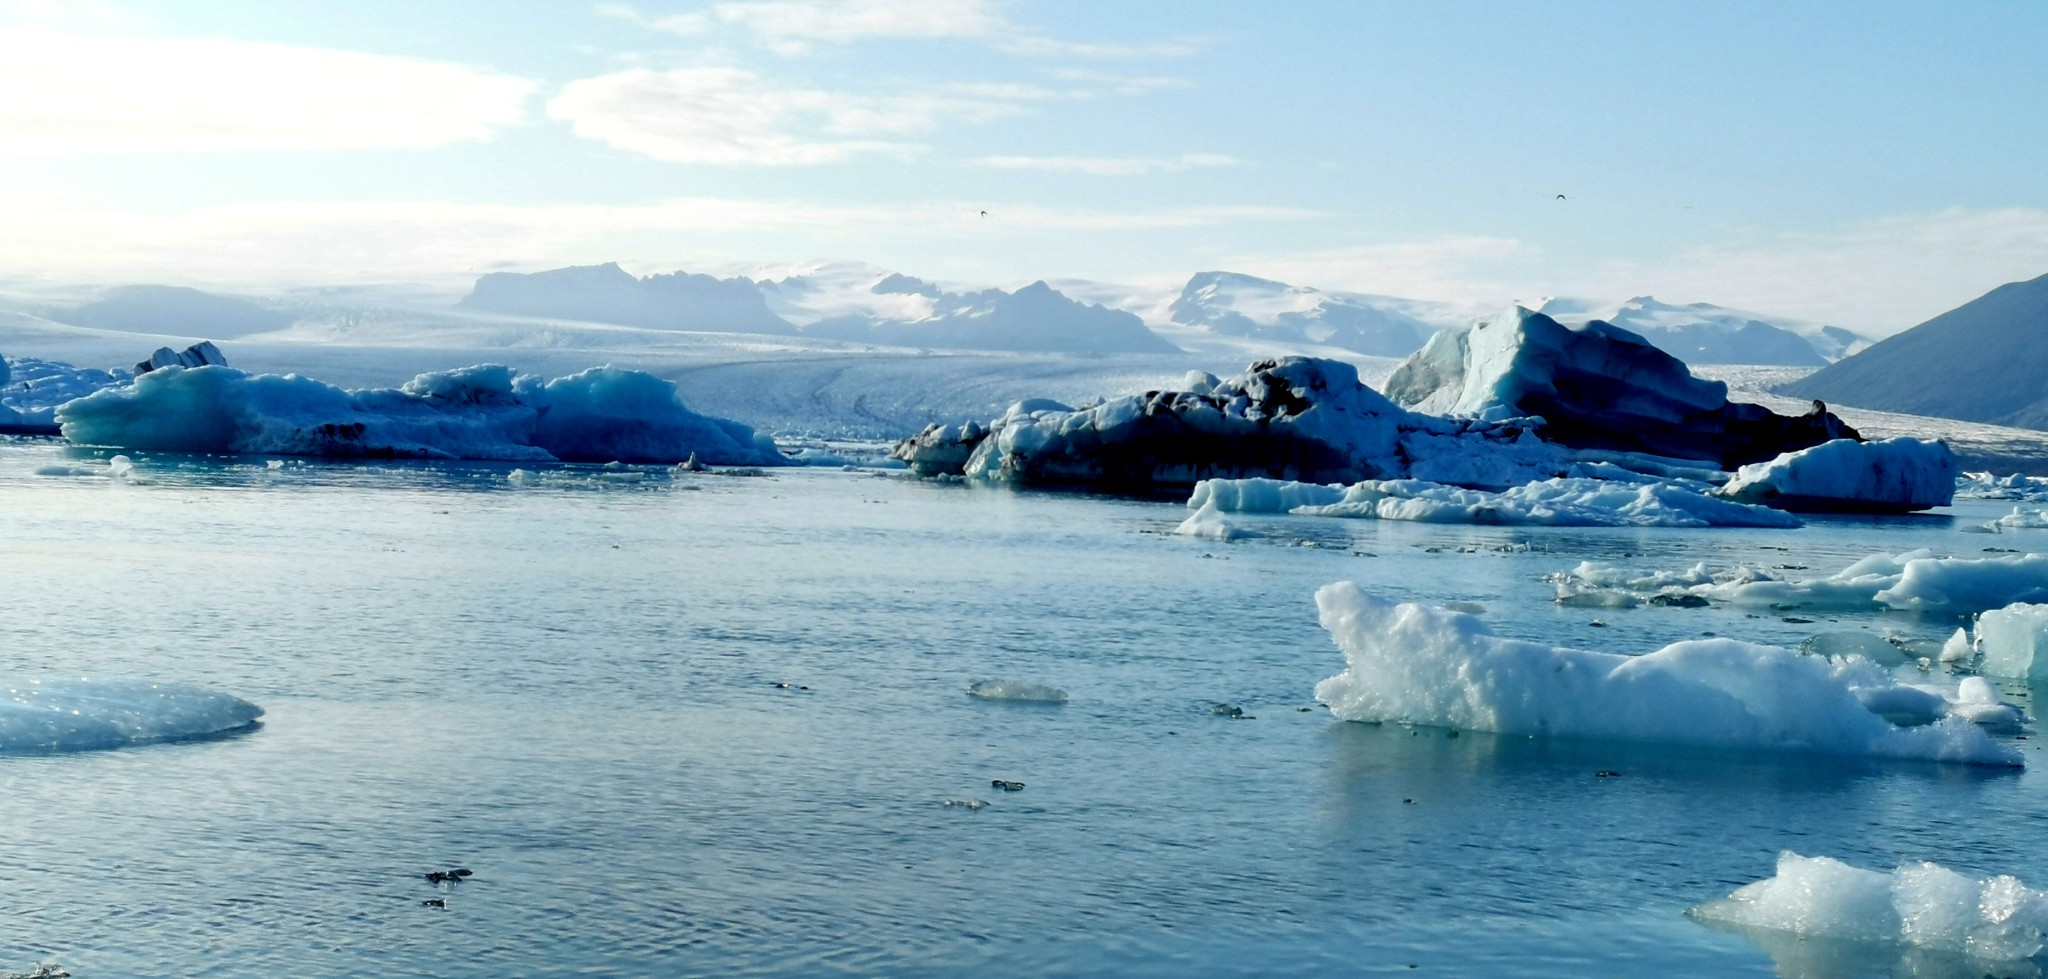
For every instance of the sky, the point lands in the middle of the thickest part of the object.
(1868, 165)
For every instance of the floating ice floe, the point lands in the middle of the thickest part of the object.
(485, 412)
(2016, 486)
(1598, 386)
(82, 715)
(1997, 919)
(1891, 476)
(1433, 667)
(1913, 581)
(1562, 502)
(1022, 691)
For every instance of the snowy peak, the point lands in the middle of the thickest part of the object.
(1236, 304)
(1036, 317)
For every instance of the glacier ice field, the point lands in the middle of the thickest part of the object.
(825, 721)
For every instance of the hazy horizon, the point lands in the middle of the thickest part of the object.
(1867, 172)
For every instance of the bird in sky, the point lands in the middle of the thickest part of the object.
(1560, 197)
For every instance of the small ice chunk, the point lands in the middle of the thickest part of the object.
(1958, 648)
(1022, 691)
(2012, 639)
(80, 715)
(1871, 647)
(1209, 523)
(1997, 919)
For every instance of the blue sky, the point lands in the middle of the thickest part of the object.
(1865, 164)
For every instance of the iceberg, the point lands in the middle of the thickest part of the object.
(201, 354)
(2015, 486)
(1891, 476)
(1433, 667)
(82, 715)
(31, 389)
(1997, 919)
(1597, 386)
(1560, 502)
(1914, 581)
(604, 414)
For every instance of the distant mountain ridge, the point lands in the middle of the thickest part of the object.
(1983, 361)
(609, 294)
(864, 304)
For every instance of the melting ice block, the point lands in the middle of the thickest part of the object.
(1418, 665)
(1892, 476)
(1560, 502)
(1998, 918)
(1023, 691)
(81, 715)
(2012, 639)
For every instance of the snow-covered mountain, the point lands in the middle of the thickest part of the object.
(609, 294)
(1235, 304)
(1703, 333)
(1982, 361)
(171, 309)
(847, 301)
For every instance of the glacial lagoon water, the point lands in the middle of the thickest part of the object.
(707, 725)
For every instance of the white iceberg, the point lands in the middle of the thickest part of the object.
(1559, 502)
(603, 414)
(82, 715)
(1924, 904)
(1434, 667)
(1891, 476)
(1914, 581)
(2015, 486)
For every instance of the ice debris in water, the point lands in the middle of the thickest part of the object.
(1017, 690)
(2017, 486)
(1923, 904)
(80, 715)
(1425, 666)
(1914, 581)
(1561, 502)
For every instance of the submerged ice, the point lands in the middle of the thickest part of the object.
(1560, 502)
(82, 715)
(603, 414)
(1922, 904)
(1417, 665)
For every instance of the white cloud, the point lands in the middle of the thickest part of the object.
(311, 243)
(733, 116)
(1109, 166)
(793, 27)
(1120, 84)
(1474, 269)
(64, 93)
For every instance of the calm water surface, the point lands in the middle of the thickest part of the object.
(572, 688)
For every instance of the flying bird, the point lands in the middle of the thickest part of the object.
(1560, 197)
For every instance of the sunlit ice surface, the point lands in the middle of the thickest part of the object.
(708, 724)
